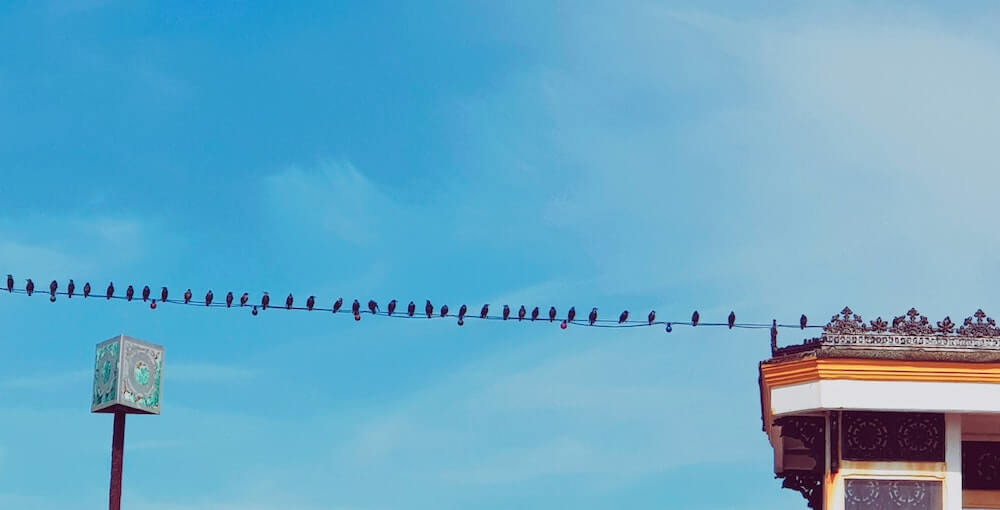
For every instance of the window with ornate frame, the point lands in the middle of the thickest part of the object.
(899, 494)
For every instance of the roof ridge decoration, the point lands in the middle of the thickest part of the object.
(846, 323)
(912, 323)
(983, 326)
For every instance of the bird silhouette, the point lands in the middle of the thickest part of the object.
(803, 322)
(52, 290)
(265, 300)
(29, 287)
(70, 288)
(111, 291)
(552, 313)
(521, 312)
(534, 313)
(145, 293)
(209, 297)
(732, 319)
(244, 299)
(462, 311)
(187, 296)
(652, 317)
(129, 293)
(163, 294)
(444, 310)
(372, 306)
(310, 302)
(229, 299)
(356, 307)
(484, 312)
(152, 304)
(506, 312)
(429, 309)
(337, 304)
(254, 311)
(593, 316)
(694, 318)
(10, 283)
(392, 307)
(411, 309)
(86, 289)
(288, 301)
(571, 315)
(623, 317)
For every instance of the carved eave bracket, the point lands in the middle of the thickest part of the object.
(811, 431)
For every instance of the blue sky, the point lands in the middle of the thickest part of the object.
(620, 155)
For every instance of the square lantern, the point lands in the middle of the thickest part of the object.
(127, 376)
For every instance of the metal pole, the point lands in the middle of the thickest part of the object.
(117, 457)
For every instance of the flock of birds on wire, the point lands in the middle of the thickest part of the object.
(374, 309)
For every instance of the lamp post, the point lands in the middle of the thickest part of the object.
(128, 375)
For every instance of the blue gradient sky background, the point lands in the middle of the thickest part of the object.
(619, 155)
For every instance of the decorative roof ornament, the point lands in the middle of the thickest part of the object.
(879, 325)
(911, 324)
(945, 327)
(847, 323)
(983, 326)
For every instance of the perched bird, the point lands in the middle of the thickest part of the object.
(244, 299)
(571, 315)
(163, 294)
(356, 307)
(29, 287)
(623, 317)
(552, 313)
(534, 313)
(129, 293)
(265, 300)
(652, 317)
(111, 290)
(411, 309)
(209, 296)
(86, 289)
(392, 306)
(506, 312)
(563, 325)
(429, 309)
(10, 283)
(593, 316)
(70, 288)
(372, 306)
(254, 311)
(337, 304)
(484, 312)
(310, 302)
(444, 310)
(732, 319)
(521, 312)
(152, 304)
(694, 318)
(229, 299)
(462, 311)
(145, 293)
(803, 321)
(187, 296)
(288, 301)
(52, 290)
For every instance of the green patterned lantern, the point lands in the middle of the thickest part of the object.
(127, 376)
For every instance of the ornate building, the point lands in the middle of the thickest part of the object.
(877, 415)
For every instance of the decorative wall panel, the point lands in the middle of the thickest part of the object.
(981, 465)
(862, 494)
(893, 436)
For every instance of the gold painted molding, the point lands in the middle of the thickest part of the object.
(815, 369)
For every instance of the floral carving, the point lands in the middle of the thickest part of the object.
(879, 325)
(847, 323)
(982, 326)
(946, 327)
(912, 324)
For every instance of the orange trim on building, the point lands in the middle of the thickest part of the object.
(815, 369)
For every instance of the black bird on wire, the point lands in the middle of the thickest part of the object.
(506, 312)
(593, 316)
(86, 289)
(392, 307)
(310, 302)
(70, 288)
(461, 312)
(803, 321)
(288, 301)
(484, 312)
(229, 299)
(534, 314)
(264, 300)
(52, 290)
(187, 296)
(429, 309)
(444, 310)
(695, 318)
(552, 314)
(372, 306)
(411, 309)
(209, 297)
(163, 294)
(732, 319)
(29, 287)
(129, 293)
(521, 312)
(571, 315)
(337, 304)
(356, 308)
(244, 298)
(111, 291)
(10, 283)
(652, 317)
(145, 293)
(623, 317)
